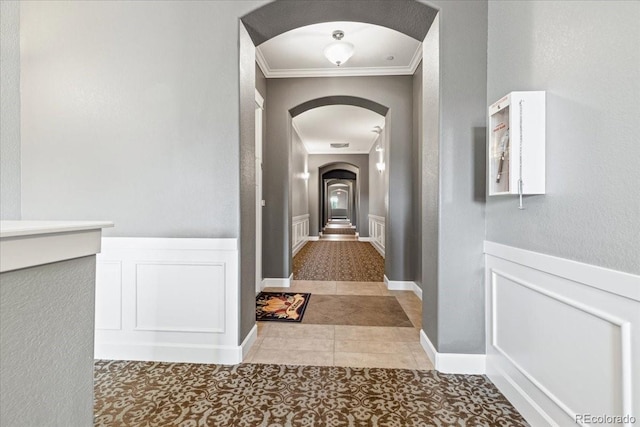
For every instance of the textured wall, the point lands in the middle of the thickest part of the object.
(430, 179)
(10, 110)
(247, 208)
(585, 55)
(451, 185)
(46, 344)
(299, 186)
(130, 112)
(416, 168)
(284, 94)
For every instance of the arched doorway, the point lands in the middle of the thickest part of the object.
(403, 244)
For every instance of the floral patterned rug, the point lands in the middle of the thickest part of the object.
(190, 395)
(281, 306)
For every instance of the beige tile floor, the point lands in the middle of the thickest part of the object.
(340, 345)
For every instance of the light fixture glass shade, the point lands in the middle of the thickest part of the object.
(338, 52)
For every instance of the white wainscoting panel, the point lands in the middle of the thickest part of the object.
(299, 232)
(376, 232)
(562, 341)
(180, 297)
(172, 300)
(109, 294)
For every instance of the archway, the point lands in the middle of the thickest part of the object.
(405, 246)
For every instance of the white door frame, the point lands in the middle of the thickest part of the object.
(259, 202)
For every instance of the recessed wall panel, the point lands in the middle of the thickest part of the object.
(180, 297)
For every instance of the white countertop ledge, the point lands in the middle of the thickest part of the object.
(27, 228)
(25, 244)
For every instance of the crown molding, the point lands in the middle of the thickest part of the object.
(339, 72)
(415, 61)
(262, 63)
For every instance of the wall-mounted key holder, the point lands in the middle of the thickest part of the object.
(517, 144)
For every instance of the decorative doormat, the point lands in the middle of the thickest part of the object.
(281, 306)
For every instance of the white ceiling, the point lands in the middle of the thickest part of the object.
(299, 52)
(319, 127)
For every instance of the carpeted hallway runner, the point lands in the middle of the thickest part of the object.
(355, 310)
(343, 261)
(181, 394)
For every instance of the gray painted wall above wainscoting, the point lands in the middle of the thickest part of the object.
(146, 135)
(299, 185)
(591, 210)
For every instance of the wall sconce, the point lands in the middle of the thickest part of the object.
(380, 166)
(305, 176)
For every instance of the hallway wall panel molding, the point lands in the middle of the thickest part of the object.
(169, 300)
(299, 232)
(546, 313)
(377, 232)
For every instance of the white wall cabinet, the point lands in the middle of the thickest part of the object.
(517, 144)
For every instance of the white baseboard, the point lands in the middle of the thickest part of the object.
(400, 285)
(314, 238)
(249, 340)
(453, 363)
(545, 313)
(170, 300)
(364, 239)
(169, 352)
(277, 282)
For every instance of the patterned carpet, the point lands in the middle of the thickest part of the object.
(343, 261)
(190, 395)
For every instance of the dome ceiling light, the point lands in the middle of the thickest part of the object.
(339, 51)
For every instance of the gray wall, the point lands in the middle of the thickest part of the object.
(391, 91)
(585, 55)
(46, 344)
(460, 235)
(377, 189)
(416, 180)
(316, 161)
(10, 110)
(130, 112)
(247, 208)
(299, 186)
(430, 179)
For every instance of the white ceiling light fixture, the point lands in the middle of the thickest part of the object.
(339, 51)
